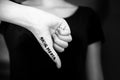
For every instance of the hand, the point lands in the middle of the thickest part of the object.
(61, 39)
(43, 29)
(40, 23)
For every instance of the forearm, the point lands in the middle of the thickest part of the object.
(94, 71)
(93, 64)
(11, 12)
(17, 14)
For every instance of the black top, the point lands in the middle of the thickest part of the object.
(29, 61)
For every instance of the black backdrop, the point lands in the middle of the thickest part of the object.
(109, 12)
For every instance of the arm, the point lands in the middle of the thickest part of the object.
(39, 22)
(12, 12)
(93, 64)
(34, 20)
(19, 14)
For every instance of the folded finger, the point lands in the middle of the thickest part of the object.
(63, 32)
(60, 42)
(65, 38)
(58, 48)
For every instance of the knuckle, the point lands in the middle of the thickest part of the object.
(70, 38)
(58, 48)
(66, 45)
(62, 50)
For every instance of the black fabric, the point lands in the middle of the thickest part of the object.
(18, 1)
(29, 61)
(94, 30)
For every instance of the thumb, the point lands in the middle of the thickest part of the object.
(47, 44)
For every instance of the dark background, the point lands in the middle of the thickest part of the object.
(109, 12)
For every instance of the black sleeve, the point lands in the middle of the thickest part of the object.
(2, 28)
(18, 1)
(94, 28)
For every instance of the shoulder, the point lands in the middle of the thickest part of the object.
(90, 14)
